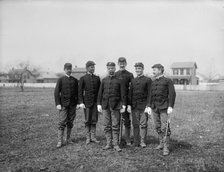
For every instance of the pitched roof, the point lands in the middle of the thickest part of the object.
(47, 75)
(184, 65)
(79, 69)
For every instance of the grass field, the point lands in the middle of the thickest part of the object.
(28, 132)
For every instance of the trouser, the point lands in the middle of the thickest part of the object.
(127, 125)
(66, 117)
(139, 122)
(111, 125)
(160, 122)
(91, 118)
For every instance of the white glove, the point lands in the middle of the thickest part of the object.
(123, 109)
(170, 110)
(58, 107)
(82, 106)
(77, 107)
(99, 108)
(149, 110)
(129, 109)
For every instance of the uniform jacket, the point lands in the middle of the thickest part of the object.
(125, 77)
(162, 93)
(139, 93)
(88, 89)
(66, 91)
(111, 93)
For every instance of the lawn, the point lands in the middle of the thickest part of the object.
(28, 137)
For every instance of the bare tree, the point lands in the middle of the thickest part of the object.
(20, 72)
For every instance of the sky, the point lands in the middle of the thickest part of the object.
(50, 33)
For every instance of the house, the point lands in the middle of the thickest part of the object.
(16, 75)
(184, 73)
(47, 77)
(78, 72)
(4, 78)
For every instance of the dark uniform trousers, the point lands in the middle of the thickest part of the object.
(66, 95)
(138, 98)
(88, 91)
(126, 78)
(111, 96)
(162, 96)
(66, 117)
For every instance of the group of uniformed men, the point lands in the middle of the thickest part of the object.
(117, 96)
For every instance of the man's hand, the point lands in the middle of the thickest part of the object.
(99, 108)
(123, 109)
(129, 109)
(149, 110)
(82, 106)
(169, 110)
(58, 107)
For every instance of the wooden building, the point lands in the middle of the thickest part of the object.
(184, 73)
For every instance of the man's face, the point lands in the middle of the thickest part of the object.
(156, 72)
(111, 70)
(68, 71)
(91, 69)
(139, 71)
(122, 65)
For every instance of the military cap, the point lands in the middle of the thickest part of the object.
(90, 63)
(110, 64)
(122, 59)
(159, 66)
(67, 65)
(139, 64)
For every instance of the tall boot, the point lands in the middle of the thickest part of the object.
(127, 136)
(136, 136)
(93, 134)
(115, 142)
(88, 135)
(143, 133)
(60, 138)
(68, 136)
(108, 140)
(161, 142)
(166, 150)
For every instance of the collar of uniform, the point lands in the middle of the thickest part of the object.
(140, 76)
(122, 70)
(90, 73)
(67, 75)
(111, 76)
(160, 76)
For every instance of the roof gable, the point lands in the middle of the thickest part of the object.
(184, 65)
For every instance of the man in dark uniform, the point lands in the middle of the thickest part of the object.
(139, 95)
(111, 102)
(162, 101)
(126, 78)
(88, 90)
(66, 98)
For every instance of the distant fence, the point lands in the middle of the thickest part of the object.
(37, 85)
(201, 87)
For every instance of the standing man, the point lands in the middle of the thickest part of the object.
(111, 102)
(66, 98)
(88, 90)
(162, 101)
(126, 78)
(139, 95)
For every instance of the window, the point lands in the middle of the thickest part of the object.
(175, 72)
(181, 71)
(188, 71)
